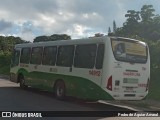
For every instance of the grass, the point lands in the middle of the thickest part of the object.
(4, 70)
(154, 87)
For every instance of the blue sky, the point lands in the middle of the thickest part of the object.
(77, 18)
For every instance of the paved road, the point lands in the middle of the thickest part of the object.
(12, 98)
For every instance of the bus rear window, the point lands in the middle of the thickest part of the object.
(129, 51)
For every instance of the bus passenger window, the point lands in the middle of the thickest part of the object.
(15, 58)
(85, 56)
(65, 56)
(100, 55)
(49, 55)
(25, 55)
(36, 55)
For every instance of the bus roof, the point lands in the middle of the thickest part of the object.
(73, 41)
(65, 42)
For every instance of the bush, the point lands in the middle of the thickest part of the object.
(5, 63)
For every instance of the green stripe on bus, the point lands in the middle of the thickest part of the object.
(75, 86)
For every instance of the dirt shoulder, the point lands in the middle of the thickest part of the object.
(4, 76)
(149, 105)
(142, 105)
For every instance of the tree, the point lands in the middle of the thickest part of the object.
(147, 13)
(142, 24)
(114, 27)
(7, 43)
(99, 35)
(133, 16)
(131, 23)
(53, 37)
(40, 38)
(114, 30)
(156, 19)
(109, 30)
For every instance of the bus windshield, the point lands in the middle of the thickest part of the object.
(129, 51)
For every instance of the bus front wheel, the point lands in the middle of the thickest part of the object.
(60, 90)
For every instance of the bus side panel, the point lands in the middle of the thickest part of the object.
(107, 67)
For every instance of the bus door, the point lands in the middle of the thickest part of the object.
(14, 65)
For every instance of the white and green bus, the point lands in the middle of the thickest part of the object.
(99, 68)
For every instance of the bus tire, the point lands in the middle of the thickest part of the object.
(59, 90)
(22, 82)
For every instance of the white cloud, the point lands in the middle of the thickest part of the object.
(27, 36)
(78, 18)
(79, 29)
(5, 25)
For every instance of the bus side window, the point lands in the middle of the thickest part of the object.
(65, 56)
(36, 55)
(25, 55)
(100, 56)
(49, 55)
(85, 56)
(15, 58)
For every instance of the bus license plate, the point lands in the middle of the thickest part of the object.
(130, 80)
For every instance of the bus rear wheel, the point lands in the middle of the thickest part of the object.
(22, 82)
(60, 90)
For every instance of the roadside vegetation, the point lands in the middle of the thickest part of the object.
(143, 25)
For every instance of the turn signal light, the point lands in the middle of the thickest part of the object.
(109, 83)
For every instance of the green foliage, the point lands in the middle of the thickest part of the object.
(147, 13)
(5, 63)
(7, 43)
(154, 84)
(109, 30)
(133, 16)
(144, 24)
(114, 26)
(53, 37)
(6, 47)
(41, 38)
